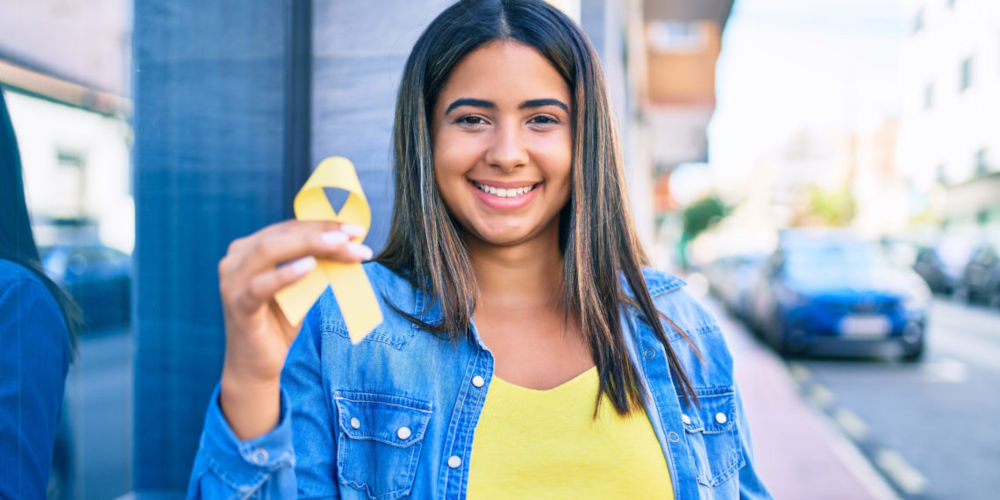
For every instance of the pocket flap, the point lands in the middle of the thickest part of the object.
(395, 420)
(715, 413)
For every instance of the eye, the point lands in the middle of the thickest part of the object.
(470, 120)
(544, 120)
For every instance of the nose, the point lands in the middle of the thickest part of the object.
(507, 150)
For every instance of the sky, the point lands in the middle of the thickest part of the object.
(827, 65)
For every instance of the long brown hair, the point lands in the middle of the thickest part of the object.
(596, 237)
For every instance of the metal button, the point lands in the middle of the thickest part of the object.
(478, 381)
(686, 419)
(673, 437)
(455, 461)
(355, 423)
(721, 418)
(649, 353)
(403, 433)
(260, 455)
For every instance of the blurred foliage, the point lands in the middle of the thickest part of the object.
(831, 208)
(703, 214)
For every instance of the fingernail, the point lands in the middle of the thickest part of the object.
(303, 265)
(333, 238)
(352, 230)
(360, 251)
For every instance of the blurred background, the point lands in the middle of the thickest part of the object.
(825, 174)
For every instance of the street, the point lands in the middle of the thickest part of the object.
(929, 427)
(99, 409)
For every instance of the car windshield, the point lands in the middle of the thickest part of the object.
(831, 260)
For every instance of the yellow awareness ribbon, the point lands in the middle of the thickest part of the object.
(349, 282)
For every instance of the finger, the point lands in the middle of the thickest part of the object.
(295, 226)
(269, 252)
(262, 288)
(289, 240)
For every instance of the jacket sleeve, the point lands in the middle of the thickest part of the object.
(34, 361)
(751, 486)
(296, 459)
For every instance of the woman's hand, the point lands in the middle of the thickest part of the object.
(258, 336)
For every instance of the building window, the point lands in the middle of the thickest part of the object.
(918, 21)
(670, 36)
(951, 4)
(981, 162)
(929, 96)
(942, 174)
(965, 76)
(68, 187)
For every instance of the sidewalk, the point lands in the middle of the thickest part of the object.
(797, 452)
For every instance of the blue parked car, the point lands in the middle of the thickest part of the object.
(830, 294)
(98, 278)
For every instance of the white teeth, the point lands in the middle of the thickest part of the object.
(504, 193)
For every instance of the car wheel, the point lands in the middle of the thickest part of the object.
(914, 353)
(780, 340)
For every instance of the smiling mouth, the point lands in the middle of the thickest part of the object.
(505, 193)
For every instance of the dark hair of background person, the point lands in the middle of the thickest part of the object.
(17, 243)
(596, 235)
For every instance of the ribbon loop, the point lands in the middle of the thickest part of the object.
(349, 283)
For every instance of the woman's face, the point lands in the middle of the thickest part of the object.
(503, 144)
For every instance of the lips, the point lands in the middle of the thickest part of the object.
(504, 195)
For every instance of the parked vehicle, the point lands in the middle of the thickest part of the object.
(980, 281)
(932, 269)
(98, 278)
(830, 294)
(732, 279)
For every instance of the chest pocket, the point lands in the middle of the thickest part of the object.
(379, 441)
(713, 437)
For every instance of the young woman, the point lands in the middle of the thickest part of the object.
(38, 322)
(524, 351)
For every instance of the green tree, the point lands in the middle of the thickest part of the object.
(698, 217)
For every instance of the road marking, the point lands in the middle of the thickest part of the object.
(946, 370)
(852, 424)
(856, 462)
(799, 372)
(909, 479)
(820, 396)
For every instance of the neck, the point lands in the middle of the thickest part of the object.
(525, 276)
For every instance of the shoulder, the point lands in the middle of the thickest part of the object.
(673, 300)
(26, 299)
(20, 283)
(692, 330)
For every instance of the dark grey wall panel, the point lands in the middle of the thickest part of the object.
(359, 49)
(209, 122)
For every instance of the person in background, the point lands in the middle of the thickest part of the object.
(38, 324)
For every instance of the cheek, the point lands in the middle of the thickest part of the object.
(557, 156)
(455, 149)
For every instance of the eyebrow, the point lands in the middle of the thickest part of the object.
(481, 103)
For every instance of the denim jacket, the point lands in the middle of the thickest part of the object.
(343, 408)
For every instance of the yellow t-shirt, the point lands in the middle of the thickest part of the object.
(546, 445)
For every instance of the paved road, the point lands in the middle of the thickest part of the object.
(931, 427)
(99, 404)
